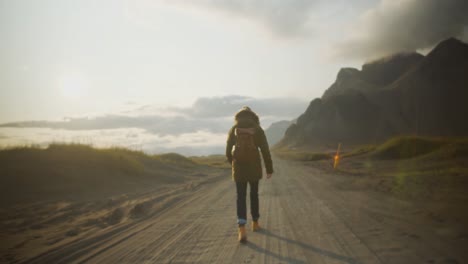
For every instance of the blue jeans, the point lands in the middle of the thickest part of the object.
(241, 188)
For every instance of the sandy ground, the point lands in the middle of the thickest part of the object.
(305, 217)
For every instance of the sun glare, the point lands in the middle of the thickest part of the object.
(72, 86)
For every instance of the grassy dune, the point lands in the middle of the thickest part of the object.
(412, 146)
(66, 192)
(74, 171)
(175, 159)
(217, 161)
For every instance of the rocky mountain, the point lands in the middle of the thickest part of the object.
(276, 130)
(402, 94)
(374, 75)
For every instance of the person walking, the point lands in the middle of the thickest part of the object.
(244, 139)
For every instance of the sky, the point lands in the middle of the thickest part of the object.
(169, 75)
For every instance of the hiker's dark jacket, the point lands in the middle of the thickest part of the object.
(251, 171)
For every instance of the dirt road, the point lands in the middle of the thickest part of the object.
(305, 219)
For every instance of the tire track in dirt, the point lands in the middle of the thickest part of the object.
(169, 232)
(382, 223)
(75, 250)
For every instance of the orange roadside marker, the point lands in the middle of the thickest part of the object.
(337, 157)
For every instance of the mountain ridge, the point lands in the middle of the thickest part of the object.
(404, 94)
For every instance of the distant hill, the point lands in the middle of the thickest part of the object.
(275, 132)
(404, 94)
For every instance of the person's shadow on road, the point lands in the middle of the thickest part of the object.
(305, 246)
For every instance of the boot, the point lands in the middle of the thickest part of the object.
(242, 234)
(255, 226)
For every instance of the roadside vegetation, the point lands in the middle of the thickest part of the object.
(412, 146)
(407, 166)
(301, 155)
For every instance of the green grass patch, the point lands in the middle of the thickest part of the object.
(406, 147)
(361, 150)
(441, 171)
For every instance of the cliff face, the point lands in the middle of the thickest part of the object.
(402, 94)
(374, 75)
(433, 99)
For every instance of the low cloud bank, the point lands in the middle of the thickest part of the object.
(199, 129)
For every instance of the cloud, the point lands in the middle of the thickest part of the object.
(283, 17)
(213, 114)
(227, 106)
(404, 25)
(154, 124)
(200, 128)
